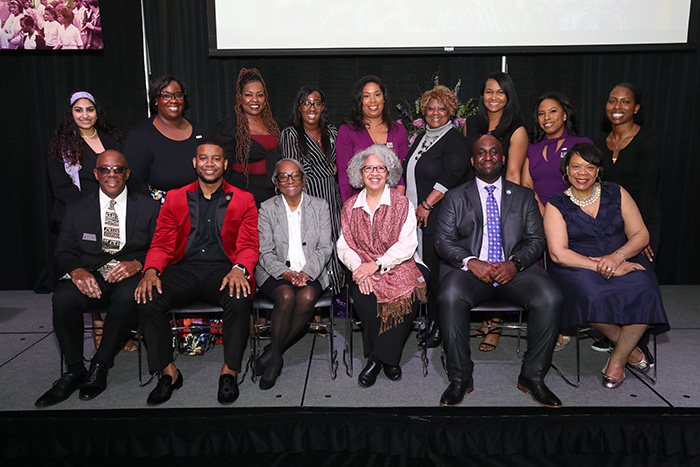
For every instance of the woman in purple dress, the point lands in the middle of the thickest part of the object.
(554, 133)
(595, 235)
(369, 123)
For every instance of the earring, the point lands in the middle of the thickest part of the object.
(598, 179)
(565, 178)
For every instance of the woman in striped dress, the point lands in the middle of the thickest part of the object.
(316, 151)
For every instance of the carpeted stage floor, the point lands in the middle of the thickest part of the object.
(308, 418)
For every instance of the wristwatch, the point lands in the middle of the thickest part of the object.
(518, 265)
(243, 269)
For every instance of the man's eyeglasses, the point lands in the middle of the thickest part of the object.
(369, 168)
(105, 169)
(283, 176)
(166, 96)
(307, 104)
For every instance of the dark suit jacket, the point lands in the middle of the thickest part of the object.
(446, 162)
(80, 240)
(460, 225)
(236, 221)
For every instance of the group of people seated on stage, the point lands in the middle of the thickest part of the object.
(43, 24)
(460, 217)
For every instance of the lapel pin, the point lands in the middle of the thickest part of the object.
(508, 191)
(228, 197)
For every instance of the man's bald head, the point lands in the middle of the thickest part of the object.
(112, 172)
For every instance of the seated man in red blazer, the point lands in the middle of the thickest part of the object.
(205, 247)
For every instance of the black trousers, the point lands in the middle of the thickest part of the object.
(388, 346)
(531, 289)
(187, 282)
(69, 304)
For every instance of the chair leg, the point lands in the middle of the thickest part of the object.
(348, 350)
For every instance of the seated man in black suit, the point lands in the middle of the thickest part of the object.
(102, 246)
(486, 255)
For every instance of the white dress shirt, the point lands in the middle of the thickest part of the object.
(295, 252)
(483, 196)
(402, 250)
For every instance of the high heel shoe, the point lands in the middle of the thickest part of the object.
(643, 366)
(610, 382)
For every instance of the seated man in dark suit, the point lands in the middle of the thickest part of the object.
(102, 245)
(486, 255)
(205, 247)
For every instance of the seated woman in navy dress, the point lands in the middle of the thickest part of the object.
(595, 234)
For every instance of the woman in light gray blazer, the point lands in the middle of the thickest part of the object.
(295, 245)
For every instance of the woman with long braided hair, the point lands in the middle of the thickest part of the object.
(251, 138)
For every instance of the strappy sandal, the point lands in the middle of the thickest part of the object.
(487, 346)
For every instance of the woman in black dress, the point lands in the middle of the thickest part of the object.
(160, 150)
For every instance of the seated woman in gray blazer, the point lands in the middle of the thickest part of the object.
(295, 245)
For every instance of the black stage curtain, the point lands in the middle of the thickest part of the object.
(177, 37)
(488, 435)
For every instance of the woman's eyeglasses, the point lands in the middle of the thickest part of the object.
(308, 104)
(369, 168)
(283, 176)
(166, 96)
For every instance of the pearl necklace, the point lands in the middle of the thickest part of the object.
(582, 202)
(94, 133)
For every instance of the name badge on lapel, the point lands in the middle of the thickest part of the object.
(89, 237)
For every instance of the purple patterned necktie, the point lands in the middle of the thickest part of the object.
(493, 226)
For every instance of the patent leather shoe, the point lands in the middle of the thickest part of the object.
(164, 389)
(95, 383)
(539, 392)
(228, 389)
(368, 375)
(61, 389)
(455, 392)
(392, 372)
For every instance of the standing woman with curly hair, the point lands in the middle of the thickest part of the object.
(251, 138)
(82, 134)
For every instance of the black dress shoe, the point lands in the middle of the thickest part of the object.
(95, 383)
(61, 389)
(454, 394)
(228, 389)
(392, 372)
(434, 338)
(539, 392)
(164, 389)
(369, 373)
